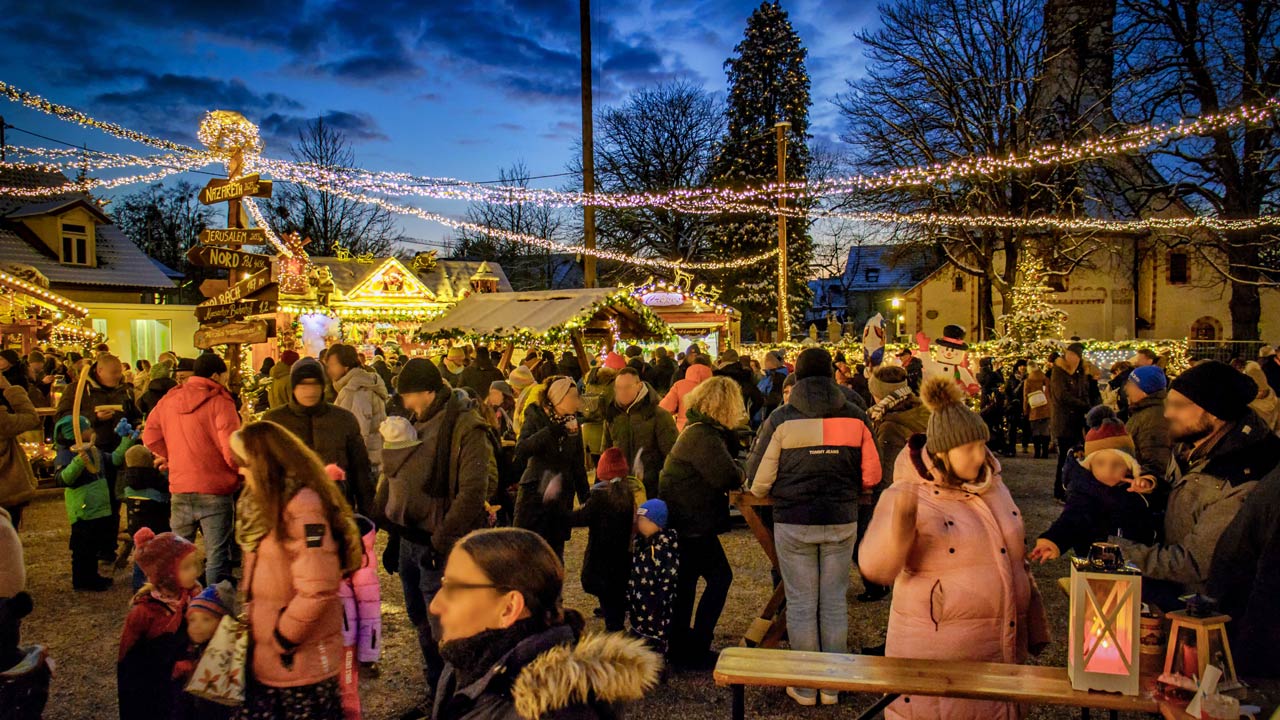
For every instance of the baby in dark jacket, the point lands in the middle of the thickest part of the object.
(1106, 493)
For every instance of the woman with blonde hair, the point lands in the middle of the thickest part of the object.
(299, 539)
(695, 481)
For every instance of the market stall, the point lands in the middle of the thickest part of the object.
(31, 314)
(549, 318)
(693, 312)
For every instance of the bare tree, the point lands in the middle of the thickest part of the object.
(165, 221)
(1187, 57)
(950, 78)
(328, 219)
(661, 138)
(527, 267)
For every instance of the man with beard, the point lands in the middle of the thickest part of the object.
(1221, 451)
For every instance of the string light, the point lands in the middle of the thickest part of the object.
(648, 322)
(52, 298)
(35, 102)
(226, 133)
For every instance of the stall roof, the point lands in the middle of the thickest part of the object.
(539, 312)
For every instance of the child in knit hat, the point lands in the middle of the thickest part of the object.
(655, 566)
(1106, 493)
(81, 469)
(608, 514)
(204, 614)
(146, 497)
(155, 633)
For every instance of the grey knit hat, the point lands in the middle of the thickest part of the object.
(951, 423)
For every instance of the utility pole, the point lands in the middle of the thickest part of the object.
(784, 321)
(1, 138)
(588, 149)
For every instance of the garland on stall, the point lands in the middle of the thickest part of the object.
(561, 334)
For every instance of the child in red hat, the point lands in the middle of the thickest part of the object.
(155, 632)
(609, 514)
(1106, 493)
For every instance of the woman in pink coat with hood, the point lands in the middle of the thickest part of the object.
(675, 401)
(949, 538)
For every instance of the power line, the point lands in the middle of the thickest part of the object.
(87, 148)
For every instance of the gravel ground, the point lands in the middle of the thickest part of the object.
(82, 630)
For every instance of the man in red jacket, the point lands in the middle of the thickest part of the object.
(191, 428)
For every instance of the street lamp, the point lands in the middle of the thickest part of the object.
(895, 303)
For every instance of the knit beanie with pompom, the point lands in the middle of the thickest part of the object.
(951, 423)
(159, 557)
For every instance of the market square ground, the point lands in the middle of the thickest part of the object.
(82, 630)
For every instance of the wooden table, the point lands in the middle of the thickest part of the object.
(770, 627)
(1027, 684)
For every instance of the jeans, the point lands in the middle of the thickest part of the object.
(421, 569)
(213, 515)
(700, 557)
(815, 561)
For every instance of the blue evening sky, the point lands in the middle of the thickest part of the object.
(455, 89)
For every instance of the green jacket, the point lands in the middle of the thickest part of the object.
(88, 496)
(641, 426)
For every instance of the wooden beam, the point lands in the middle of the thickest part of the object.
(580, 350)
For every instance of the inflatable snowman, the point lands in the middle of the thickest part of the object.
(949, 358)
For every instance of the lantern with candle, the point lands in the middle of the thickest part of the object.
(1106, 602)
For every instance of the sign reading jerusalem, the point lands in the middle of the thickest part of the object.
(233, 236)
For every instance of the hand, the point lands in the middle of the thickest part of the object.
(4, 383)
(162, 463)
(572, 426)
(1044, 551)
(105, 414)
(1143, 484)
(47, 380)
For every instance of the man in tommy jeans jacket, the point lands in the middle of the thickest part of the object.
(814, 456)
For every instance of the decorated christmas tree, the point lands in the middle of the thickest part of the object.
(768, 84)
(1034, 326)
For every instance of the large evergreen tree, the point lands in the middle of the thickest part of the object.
(768, 84)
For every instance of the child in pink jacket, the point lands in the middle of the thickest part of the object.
(674, 402)
(362, 597)
(949, 538)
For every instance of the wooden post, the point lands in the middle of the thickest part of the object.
(235, 165)
(581, 351)
(588, 148)
(784, 321)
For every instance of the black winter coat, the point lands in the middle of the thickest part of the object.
(607, 514)
(751, 395)
(697, 477)
(105, 437)
(663, 375)
(334, 434)
(156, 389)
(1094, 512)
(553, 676)
(478, 378)
(1245, 578)
(546, 449)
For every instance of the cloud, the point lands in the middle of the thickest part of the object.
(171, 104)
(357, 126)
(372, 66)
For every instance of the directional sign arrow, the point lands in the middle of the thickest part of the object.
(223, 189)
(234, 310)
(242, 290)
(233, 236)
(204, 256)
(253, 331)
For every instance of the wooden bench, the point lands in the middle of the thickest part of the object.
(892, 677)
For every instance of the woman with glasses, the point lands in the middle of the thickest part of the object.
(511, 649)
(555, 470)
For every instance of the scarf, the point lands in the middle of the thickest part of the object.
(474, 656)
(890, 403)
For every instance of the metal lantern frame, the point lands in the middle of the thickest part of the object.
(1106, 606)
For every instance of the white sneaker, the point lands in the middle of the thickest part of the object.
(801, 700)
(829, 698)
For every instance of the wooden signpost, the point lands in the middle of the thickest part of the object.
(237, 310)
(252, 331)
(222, 190)
(229, 259)
(243, 290)
(233, 236)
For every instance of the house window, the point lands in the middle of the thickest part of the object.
(1179, 272)
(957, 283)
(75, 244)
(871, 275)
(149, 338)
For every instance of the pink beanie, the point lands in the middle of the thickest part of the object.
(160, 555)
(614, 361)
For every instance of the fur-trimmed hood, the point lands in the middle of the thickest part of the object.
(605, 668)
(548, 676)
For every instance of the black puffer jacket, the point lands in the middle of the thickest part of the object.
(1095, 512)
(697, 477)
(545, 450)
(814, 456)
(334, 434)
(96, 395)
(552, 675)
(751, 395)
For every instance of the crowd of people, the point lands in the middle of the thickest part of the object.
(477, 468)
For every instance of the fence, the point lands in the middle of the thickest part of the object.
(1224, 350)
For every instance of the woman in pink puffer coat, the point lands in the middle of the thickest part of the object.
(675, 402)
(949, 538)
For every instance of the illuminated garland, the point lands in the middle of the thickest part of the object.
(523, 337)
(52, 298)
(62, 112)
